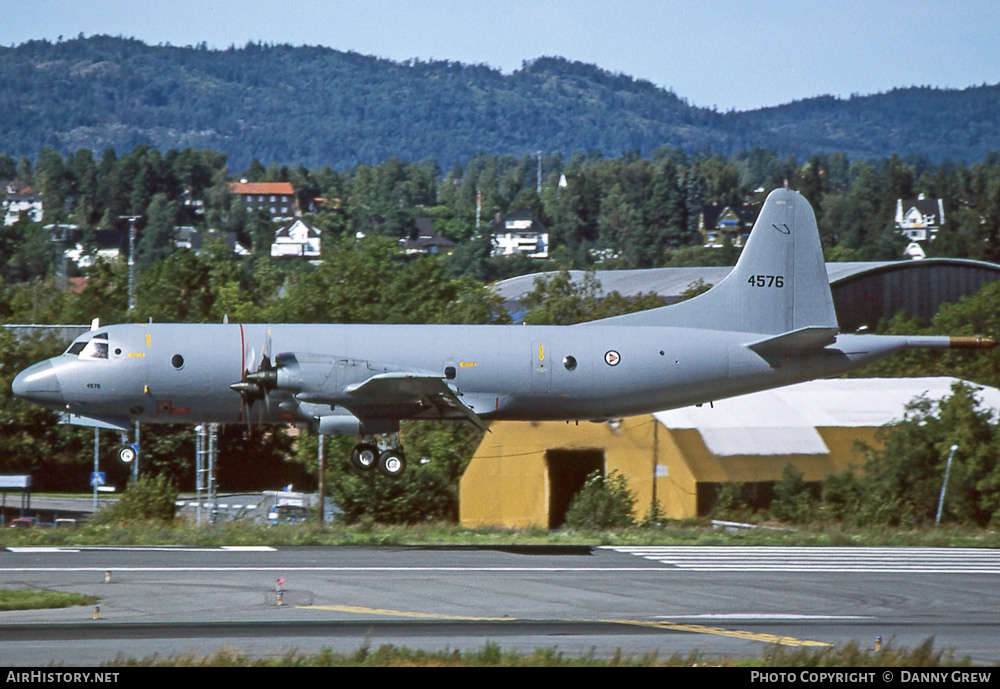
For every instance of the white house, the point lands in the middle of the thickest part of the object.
(919, 219)
(19, 198)
(519, 233)
(296, 238)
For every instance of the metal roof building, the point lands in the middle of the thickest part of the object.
(863, 293)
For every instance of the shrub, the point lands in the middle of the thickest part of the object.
(793, 497)
(602, 503)
(729, 502)
(149, 499)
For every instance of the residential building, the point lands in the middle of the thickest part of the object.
(19, 198)
(187, 237)
(296, 238)
(519, 233)
(919, 219)
(104, 245)
(277, 198)
(721, 226)
(424, 240)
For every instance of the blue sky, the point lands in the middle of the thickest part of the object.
(722, 53)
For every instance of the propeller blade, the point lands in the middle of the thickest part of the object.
(257, 380)
(265, 352)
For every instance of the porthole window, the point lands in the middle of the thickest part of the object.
(449, 372)
(569, 362)
(177, 361)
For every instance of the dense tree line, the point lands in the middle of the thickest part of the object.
(312, 106)
(625, 212)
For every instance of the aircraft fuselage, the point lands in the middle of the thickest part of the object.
(176, 373)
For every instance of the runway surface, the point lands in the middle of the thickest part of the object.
(729, 601)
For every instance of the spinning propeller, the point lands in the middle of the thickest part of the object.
(256, 384)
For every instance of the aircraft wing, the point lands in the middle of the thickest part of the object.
(408, 390)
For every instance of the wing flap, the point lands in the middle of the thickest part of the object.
(397, 388)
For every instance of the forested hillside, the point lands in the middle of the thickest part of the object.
(317, 106)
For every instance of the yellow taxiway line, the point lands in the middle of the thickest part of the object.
(672, 626)
(735, 633)
(401, 613)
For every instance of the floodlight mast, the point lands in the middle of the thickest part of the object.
(131, 259)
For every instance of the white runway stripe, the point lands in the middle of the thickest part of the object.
(820, 559)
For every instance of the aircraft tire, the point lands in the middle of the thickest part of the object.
(364, 456)
(391, 463)
(127, 454)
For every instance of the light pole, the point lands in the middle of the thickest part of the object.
(131, 259)
(944, 486)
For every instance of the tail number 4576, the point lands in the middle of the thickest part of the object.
(767, 281)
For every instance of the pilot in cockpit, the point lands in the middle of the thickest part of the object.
(94, 348)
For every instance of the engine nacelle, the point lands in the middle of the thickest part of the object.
(319, 377)
(348, 424)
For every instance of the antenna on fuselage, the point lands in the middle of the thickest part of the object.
(95, 324)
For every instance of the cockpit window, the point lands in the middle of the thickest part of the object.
(76, 348)
(95, 349)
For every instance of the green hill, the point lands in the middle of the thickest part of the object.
(317, 106)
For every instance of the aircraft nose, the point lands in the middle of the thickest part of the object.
(39, 384)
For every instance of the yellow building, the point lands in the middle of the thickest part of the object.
(525, 474)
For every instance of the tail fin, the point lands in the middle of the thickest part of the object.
(779, 284)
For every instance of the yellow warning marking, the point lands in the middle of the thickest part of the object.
(135, 354)
(735, 633)
(147, 339)
(468, 364)
(541, 353)
(400, 613)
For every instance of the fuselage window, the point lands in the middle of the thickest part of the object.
(569, 362)
(177, 361)
(449, 372)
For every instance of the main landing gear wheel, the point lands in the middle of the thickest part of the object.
(391, 463)
(364, 456)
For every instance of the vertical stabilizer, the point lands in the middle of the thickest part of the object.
(779, 284)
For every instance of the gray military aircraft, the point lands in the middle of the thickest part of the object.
(769, 323)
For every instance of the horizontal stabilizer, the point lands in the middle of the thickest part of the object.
(802, 340)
